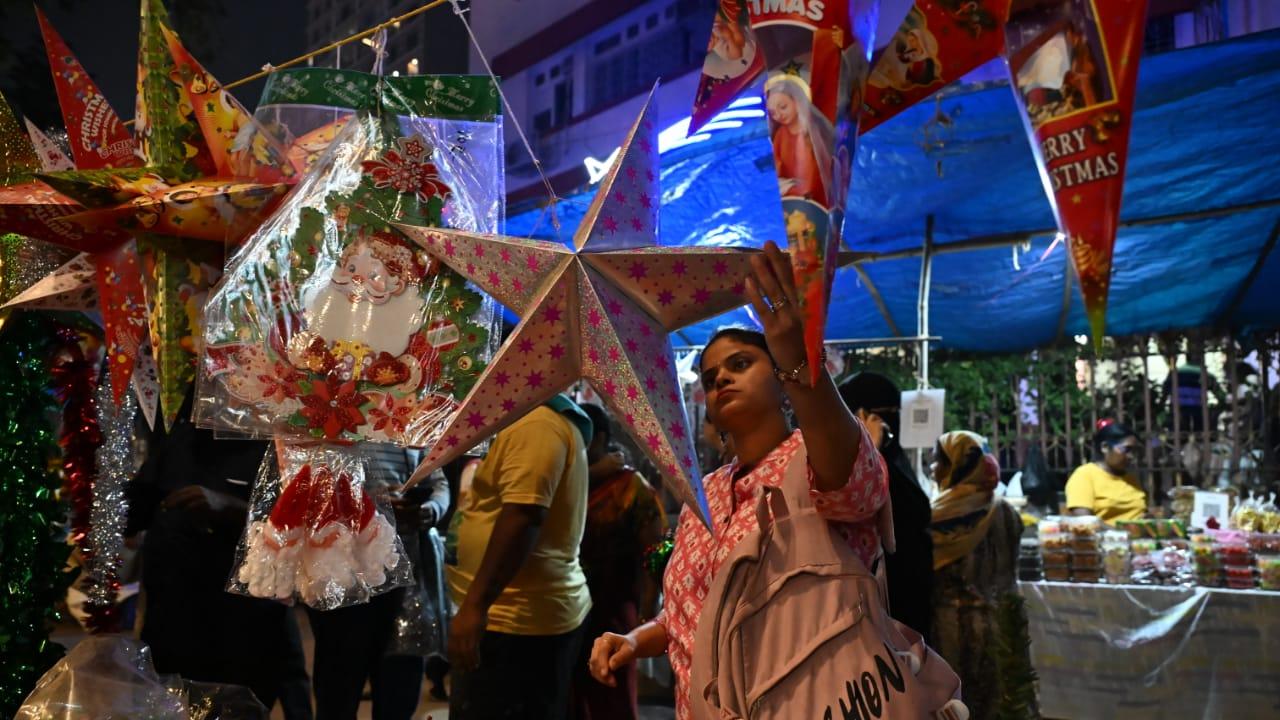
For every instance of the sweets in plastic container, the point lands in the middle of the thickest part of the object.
(1269, 572)
(1115, 556)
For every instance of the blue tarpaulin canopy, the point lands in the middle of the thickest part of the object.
(1200, 215)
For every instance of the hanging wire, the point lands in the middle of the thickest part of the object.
(537, 164)
(379, 49)
(270, 68)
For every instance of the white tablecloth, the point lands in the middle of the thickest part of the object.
(1133, 652)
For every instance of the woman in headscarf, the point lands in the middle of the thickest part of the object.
(975, 560)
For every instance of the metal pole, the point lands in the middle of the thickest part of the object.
(1070, 385)
(922, 305)
(1264, 372)
(1120, 363)
(1177, 416)
(1206, 436)
(1236, 428)
(995, 426)
(1044, 424)
(1093, 394)
(1019, 449)
(1150, 433)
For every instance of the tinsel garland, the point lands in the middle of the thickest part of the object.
(32, 558)
(657, 555)
(24, 261)
(109, 508)
(74, 376)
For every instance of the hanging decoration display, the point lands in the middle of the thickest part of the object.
(1074, 70)
(316, 535)
(109, 508)
(816, 59)
(601, 313)
(331, 327)
(204, 176)
(75, 373)
(734, 61)
(937, 44)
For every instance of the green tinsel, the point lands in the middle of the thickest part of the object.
(657, 555)
(1014, 672)
(32, 560)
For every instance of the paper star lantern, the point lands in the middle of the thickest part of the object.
(600, 313)
(211, 176)
(70, 287)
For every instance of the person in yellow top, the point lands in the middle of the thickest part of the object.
(519, 586)
(1107, 488)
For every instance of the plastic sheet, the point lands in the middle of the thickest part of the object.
(983, 181)
(329, 324)
(109, 677)
(315, 534)
(1152, 652)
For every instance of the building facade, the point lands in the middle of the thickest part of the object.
(576, 72)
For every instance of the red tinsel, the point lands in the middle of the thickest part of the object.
(74, 381)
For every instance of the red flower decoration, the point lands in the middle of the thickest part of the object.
(386, 370)
(408, 170)
(333, 407)
(282, 385)
(390, 417)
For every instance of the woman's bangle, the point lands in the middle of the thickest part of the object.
(793, 375)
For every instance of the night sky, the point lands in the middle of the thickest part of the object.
(232, 38)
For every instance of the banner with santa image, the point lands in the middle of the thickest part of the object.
(816, 58)
(731, 65)
(1074, 65)
(938, 43)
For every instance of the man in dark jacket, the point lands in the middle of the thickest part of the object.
(910, 569)
(191, 497)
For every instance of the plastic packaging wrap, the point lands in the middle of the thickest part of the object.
(329, 324)
(316, 534)
(331, 327)
(108, 677)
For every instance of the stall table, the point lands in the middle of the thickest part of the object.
(1137, 651)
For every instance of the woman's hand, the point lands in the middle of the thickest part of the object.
(771, 287)
(609, 653)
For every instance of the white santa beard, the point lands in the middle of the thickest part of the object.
(1047, 66)
(383, 328)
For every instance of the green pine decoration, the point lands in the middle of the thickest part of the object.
(32, 559)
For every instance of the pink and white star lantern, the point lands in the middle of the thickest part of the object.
(601, 312)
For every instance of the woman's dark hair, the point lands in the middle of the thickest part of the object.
(599, 420)
(1110, 433)
(744, 335)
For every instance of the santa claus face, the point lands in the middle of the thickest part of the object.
(363, 276)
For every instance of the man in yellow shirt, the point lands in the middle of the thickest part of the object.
(521, 592)
(1107, 488)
